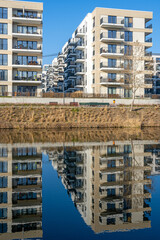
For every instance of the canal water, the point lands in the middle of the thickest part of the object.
(80, 185)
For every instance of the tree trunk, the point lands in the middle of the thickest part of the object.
(132, 104)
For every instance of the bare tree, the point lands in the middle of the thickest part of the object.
(135, 64)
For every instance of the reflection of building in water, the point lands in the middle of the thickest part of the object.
(20, 192)
(109, 183)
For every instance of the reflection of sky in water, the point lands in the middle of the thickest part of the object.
(86, 190)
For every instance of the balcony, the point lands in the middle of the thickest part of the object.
(148, 40)
(27, 19)
(71, 53)
(31, 64)
(105, 67)
(28, 35)
(119, 23)
(24, 49)
(71, 64)
(80, 71)
(106, 52)
(105, 37)
(26, 80)
(79, 83)
(80, 59)
(109, 81)
(79, 33)
(80, 46)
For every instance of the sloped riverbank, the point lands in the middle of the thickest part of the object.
(53, 117)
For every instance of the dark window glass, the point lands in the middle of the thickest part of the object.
(3, 197)
(128, 22)
(3, 75)
(4, 59)
(3, 213)
(3, 28)
(112, 62)
(3, 227)
(3, 152)
(4, 13)
(128, 36)
(3, 167)
(3, 182)
(128, 50)
(112, 34)
(112, 19)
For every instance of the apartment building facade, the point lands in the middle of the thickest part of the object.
(99, 51)
(21, 47)
(109, 183)
(20, 191)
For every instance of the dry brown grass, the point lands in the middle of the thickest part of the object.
(52, 117)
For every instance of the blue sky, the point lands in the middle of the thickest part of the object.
(61, 18)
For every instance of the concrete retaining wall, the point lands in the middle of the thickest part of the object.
(34, 100)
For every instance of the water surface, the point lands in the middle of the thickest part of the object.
(80, 184)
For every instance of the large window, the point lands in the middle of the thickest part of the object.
(3, 227)
(23, 75)
(26, 45)
(3, 75)
(3, 28)
(112, 48)
(128, 36)
(111, 90)
(29, 14)
(112, 62)
(112, 76)
(3, 213)
(4, 13)
(128, 50)
(3, 197)
(3, 167)
(128, 22)
(26, 60)
(4, 59)
(3, 152)
(112, 34)
(112, 19)
(25, 29)
(111, 177)
(3, 44)
(3, 182)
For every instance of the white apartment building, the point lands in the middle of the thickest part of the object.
(102, 46)
(20, 47)
(156, 78)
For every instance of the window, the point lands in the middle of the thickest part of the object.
(128, 64)
(3, 213)
(3, 197)
(127, 149)
(25, 29)
(128, 22)
(3, 167)
(26, 60)
(94, 22)
(111, 221)
(4, 59)
(3, 44)
(112, 62)
(111, 192)
(111, 90)
(112, 76)
(128, 50)
(128, 36)
(110, 206)
(4, 13)
(112, 19)
(3, 182)
(111, 178)
(3, 28)
(3, 227)
(111, 164)
(26, 45)
(23, 75)
(3, 75)
(112, 34)
(157, 59)
(112, 48)
(3, 152)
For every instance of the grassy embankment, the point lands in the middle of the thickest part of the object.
(57, 117)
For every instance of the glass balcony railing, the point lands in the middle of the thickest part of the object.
(113, 51)
(33, 63)
(106, 65)
(26, 16)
